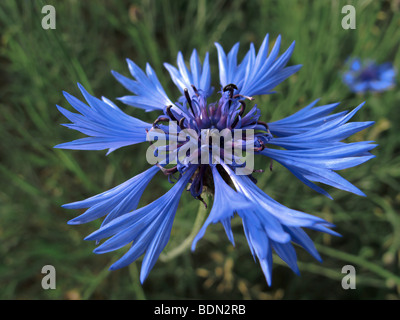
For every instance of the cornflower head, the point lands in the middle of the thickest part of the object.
(366, 75)
(189, 150)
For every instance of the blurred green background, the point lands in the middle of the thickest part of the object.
(94, 37)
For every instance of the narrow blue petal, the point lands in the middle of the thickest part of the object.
(156, 245)
(260, 247)
(288, 254)
(226, 203)
(228, 230)
(307, 182)
(105, 124)
(233, 70)
(319, 171)
(317, 159)
(267, 206)
(148, 228)
(267, 71)
(329, 133)
(223, 65)
(262, 233)
(300, 237)
(114, 202)
(148, 92)
(314, 154)
(257, 74)
(307, 118)
(199, 76)
(205, 78)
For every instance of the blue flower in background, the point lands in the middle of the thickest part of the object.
(308, 143)
(363, 76)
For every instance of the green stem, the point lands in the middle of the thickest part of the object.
(359, 261)
(134, 274)
(201, 214)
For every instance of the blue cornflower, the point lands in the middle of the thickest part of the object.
(308, 143)
(362, 76)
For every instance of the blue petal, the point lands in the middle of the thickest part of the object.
(288, 254)
(329, 133)
(199, 76)
(360, 86)
(229, 71)
(149, 94)
(226, 203)
(318, 169)
(115, 202)
(307, 118)
(269, 225)
(256, 74)
(300, 237)
(105, 124)
(356, 65)
(337, 157)
(387, 72)
(266, 206)
(260, 247)
(314, 153)
(148, 228)
(380, 85)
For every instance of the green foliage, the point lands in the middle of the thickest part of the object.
(94, 37)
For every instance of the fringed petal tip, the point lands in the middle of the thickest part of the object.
(259, 73)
